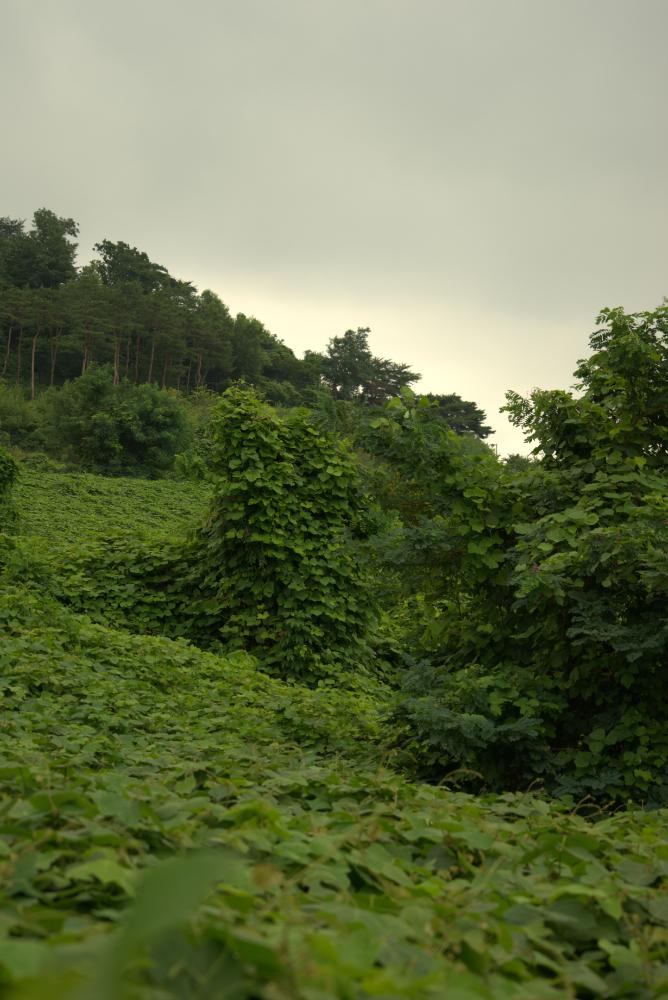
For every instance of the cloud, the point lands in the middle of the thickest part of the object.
(472, 179)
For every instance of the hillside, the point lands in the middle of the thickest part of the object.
(78, 507)
(250, 838)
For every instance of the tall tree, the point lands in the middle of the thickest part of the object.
(351, 371)
(53, 253)
(90, 314)
(249, 356)
(12, 233)
(462, 415)
(41, 258)
(120, 263)
(210, 336)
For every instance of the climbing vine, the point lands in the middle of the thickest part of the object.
(273, 565)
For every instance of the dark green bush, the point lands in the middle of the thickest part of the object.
(274, 566)
(116, 429)
(550, 584)
(273, 570)
(8, 472)
(21, 421)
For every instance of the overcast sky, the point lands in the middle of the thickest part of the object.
(473, 179)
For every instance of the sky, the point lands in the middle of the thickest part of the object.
(472, 179)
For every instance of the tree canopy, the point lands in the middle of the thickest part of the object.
(351, 372)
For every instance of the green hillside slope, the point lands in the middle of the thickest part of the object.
(177, 825)
(327, 876)
(75, 507)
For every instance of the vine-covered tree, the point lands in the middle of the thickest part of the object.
(548, 635)
(273, 570)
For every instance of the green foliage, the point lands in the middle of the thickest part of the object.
(81, 507)
(120, 264)
(352, 372)
(41, 258)
(8, 473)
(274, 565)
(20, 420)
(461, 415)
(621, 415)
(117, 429)
(549, 584)
(178, 824)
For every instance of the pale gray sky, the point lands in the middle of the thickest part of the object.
(473, 179)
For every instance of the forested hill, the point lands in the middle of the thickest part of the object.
(128, 312)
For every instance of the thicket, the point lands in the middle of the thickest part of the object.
(118, 429)
(544, 635)
(8, 471)
(273, 569)
(97, 425)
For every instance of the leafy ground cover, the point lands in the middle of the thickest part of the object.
(179, 825)
(162, 803)
(74, 507)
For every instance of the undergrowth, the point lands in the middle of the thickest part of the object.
(177, 824)
(307, 868)
(75, 507)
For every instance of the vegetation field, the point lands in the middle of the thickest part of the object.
(249, 836)
(365, 716)
(76, 507)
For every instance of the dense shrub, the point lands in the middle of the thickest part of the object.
(117, 429)
(273, 566)
(273, 569)
(549, 627)
(21, 421)
(8, 471)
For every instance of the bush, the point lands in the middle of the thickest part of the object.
(21, 421)
(8, 471)
(274, 565)
(120, 429)
(554, 583)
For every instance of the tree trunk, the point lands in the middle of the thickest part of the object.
(53, 349)
(137, 353)
(190, 365)
(164, 372)
(9, 347)
(117, 360)
(150, 363)
(85, 359)
(199, 371)
(18, 356)
(127, 357)
(32, 364)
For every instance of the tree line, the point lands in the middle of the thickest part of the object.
(128, 312)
